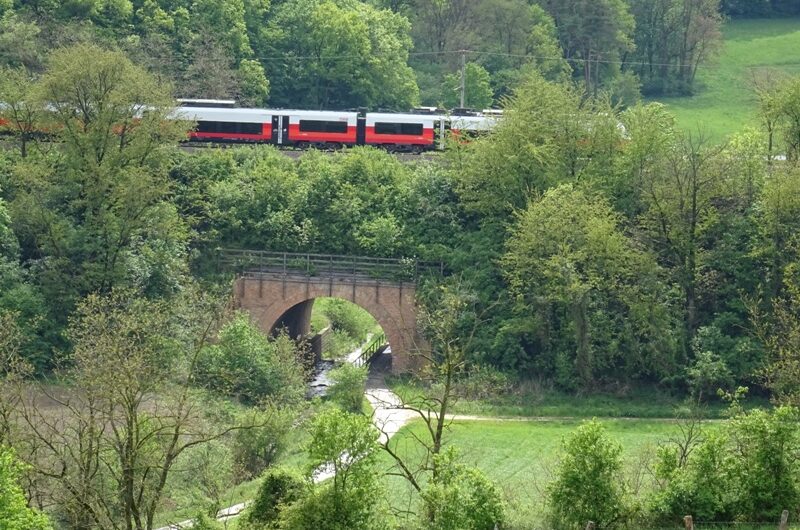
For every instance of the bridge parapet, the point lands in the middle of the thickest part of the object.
(358, 269)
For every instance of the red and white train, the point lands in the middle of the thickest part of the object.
(218, 121)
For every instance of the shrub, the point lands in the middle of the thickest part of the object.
(461, 498)
(748, 470)
(255, 449)
(695, 479)
(768, 466)
(348, 386)
(250, 366)
(204, 522)
(483, 382)
(589, 484)
(280, 487)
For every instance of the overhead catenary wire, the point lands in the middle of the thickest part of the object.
(459, 52)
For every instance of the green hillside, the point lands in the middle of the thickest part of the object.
(724, 102)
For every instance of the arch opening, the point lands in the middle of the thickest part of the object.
(338, 328)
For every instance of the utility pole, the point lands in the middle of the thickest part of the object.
(463, 76)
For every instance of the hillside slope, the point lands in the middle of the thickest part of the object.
(725, 102)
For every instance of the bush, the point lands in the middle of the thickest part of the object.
(697, 480)
(589, 484)
(747, 471)
(461, 498)
(348, 386)
(353, 499)
(255, 449)
(280, 487)
(250, 366)
(204, 522)
(768, 466)
(483, 382)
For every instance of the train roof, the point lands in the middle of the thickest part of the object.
(401, 117)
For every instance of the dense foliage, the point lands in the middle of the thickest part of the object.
(358, 53)
(14, 511)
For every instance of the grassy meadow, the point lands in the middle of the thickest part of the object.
(521, 455)
(724, 102)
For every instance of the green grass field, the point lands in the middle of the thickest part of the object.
(724, 102)
(521, 455)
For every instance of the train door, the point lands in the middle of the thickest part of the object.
(284, 131)
(276, 130)
(361, 130)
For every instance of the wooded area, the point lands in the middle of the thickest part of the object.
(592, 247)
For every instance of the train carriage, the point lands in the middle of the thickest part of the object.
(402, 132)
(318, 128)
(225, 124)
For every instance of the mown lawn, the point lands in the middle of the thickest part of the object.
(724, 102)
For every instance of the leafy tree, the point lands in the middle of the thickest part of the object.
(568, 258)
(254, 84)
(679, 192)
(779, 330)
(449, 320)
(246, 364)
(345, 445)
(95, 214)
(20, 44)
(461, 498)
(673, 39)
(478, 91)
(14, 511)
(347, 389)
(588, 485)
(441, 24)
(340, 55)
(548, 135)
(21, 114)
(20, 301)
(106, 459)
(593, 34)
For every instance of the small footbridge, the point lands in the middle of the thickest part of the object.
(279, 288)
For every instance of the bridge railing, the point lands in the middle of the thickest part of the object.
(374, 346)
(288, 264)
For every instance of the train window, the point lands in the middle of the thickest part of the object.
(228, 127)
(248, 128)
(207, 126)
(409, 129)
(323, 126)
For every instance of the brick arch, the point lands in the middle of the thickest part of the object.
(392, 306)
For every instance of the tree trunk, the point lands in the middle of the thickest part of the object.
(583, 359)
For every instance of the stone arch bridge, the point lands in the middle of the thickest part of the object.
(278, 290)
